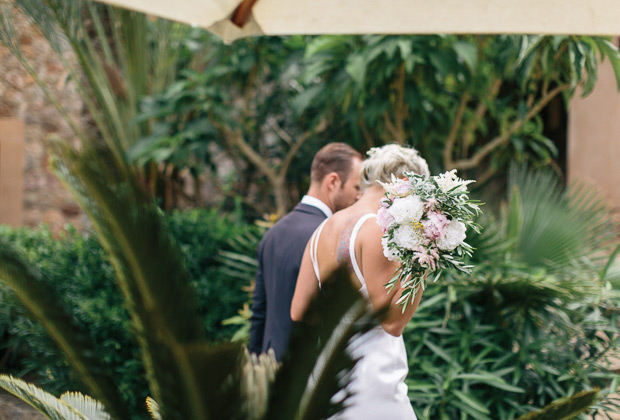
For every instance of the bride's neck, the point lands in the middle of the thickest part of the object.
(372, 196)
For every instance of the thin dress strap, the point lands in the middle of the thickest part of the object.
(314, 245)
(356, 229)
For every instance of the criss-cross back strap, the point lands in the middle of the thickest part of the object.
(354, 233)
(314, 245)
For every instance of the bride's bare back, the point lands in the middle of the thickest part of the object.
(333, 251)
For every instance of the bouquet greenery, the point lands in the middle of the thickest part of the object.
(424, 220)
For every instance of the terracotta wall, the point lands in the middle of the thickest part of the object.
(11, 171)
(594, 137)
(45, 200)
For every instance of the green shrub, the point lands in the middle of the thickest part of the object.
(83, 279)
(474, 349)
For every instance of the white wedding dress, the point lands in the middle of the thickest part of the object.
(378, 379)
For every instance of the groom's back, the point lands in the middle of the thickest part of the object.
(279, 258)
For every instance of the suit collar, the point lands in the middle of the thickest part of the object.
(308, 209)
(315, 202)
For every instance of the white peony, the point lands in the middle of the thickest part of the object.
(391, 254)
(406, 236)
(449, 180)
(407, 209)
(454, 236)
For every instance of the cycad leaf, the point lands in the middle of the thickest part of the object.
(44, 402)
(88, 407)
(317, 366)
(37, 296)
(566, 408)
(153, 408)
(259, 373)
(150, 272)
(216, 374)
(332, 363)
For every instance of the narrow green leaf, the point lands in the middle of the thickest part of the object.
(439, 351)
(471, 401)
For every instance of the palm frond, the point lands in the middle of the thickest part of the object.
(333, 368)
(259, 373)
(26, 282)
(150, 272)
(318, 366)
(491, 243)
(238, 265)
(88, 407)
(113, 58)
(44, 402)
(566, 408)
(153, 408)
(241, 261)
(179, 362)
(527, 257)
(215, 372)
(559, 227)
(521, 287)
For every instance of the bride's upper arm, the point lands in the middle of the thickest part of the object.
(306, 288)
(378, 270)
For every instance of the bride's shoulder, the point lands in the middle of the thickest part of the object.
(370, 231)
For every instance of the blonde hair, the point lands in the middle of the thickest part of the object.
(391, 159)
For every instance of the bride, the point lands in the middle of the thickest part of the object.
(352, 237)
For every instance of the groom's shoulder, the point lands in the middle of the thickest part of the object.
(303, 217)
(303, 214)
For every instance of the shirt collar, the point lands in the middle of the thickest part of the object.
(315, 202)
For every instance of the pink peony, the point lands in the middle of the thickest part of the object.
(403, 187)
(435, 225)
(384, 218)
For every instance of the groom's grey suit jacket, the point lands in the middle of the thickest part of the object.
(279, 257)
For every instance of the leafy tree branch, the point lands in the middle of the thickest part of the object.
(503, 138)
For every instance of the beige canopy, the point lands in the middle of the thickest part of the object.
(286, 17)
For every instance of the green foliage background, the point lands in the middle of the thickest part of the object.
(78, 269)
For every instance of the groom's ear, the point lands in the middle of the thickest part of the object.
(332, 181)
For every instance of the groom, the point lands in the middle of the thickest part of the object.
(334, 185)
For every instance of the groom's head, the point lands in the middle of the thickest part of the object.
(335, 175)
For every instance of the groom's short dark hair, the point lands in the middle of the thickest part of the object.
(334, 157)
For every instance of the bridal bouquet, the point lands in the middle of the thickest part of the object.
(424, 222)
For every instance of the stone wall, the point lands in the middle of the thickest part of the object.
(594, 136)
(12, 408)
(45, 198)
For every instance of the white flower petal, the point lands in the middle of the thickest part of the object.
(454, 236)
(407, 209)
